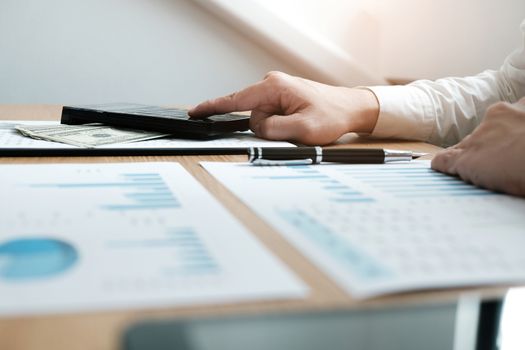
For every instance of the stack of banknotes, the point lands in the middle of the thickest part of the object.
(90, 135)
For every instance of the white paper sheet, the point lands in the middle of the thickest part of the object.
(129, 235)
(387, 228)
(10, 138)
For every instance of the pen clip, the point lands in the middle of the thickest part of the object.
(262, 162)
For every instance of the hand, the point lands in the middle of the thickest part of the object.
(284, 107)
(493, 156)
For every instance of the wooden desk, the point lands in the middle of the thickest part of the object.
(102, 330)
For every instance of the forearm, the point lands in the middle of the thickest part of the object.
(441, 112)
(444, 111)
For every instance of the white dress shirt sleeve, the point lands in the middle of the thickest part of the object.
(444, 111)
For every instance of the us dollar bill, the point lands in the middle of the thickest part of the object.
(90, 136)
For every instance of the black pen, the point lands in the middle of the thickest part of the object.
(316, 155)
(115, 152)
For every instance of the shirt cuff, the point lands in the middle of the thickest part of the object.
(405, 112)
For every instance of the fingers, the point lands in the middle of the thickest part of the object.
(244, 100)
(264, 93)
(446, 161)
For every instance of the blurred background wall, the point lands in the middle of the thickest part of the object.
(414, 38)
(179, 51)
(149, 51)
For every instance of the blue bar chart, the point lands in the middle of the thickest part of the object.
(406, 182)
(189, 254)
(139, 191)
(310, 177)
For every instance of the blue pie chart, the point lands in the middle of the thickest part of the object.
(35, 258)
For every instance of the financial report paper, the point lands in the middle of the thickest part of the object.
(76, 237)
(11, 138)
(387, 228)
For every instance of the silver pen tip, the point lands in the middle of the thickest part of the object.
(418, 154)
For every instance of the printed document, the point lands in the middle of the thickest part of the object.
(387, 228)
(83, 237)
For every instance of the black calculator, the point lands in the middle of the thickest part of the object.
(173, 121)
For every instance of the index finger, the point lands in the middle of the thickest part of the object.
(243, 100)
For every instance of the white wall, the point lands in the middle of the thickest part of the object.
(305, 49)
(347, 24)
(414, 38)
(173, 51)
(149, 51)
(431, 39)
